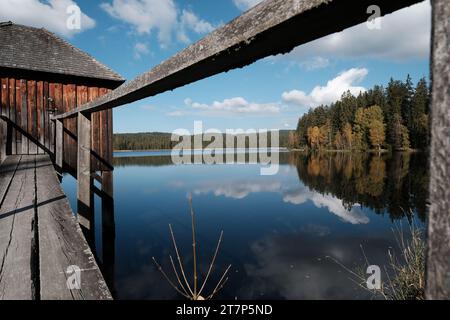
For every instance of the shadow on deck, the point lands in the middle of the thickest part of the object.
(42, 246)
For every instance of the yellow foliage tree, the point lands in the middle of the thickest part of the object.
(377, 133)
(313, 136)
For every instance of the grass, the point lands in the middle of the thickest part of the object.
(181, 284)
(404, 274)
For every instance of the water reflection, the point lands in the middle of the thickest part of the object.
(278, 229)
(393, 184)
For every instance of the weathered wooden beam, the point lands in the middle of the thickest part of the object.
(84, 179)
(272, 27)
(438, 260)
(18, 279)
(3, 131)
(59, 144)
(97, 177)
(108, 183)
(108, 233)
(62, 245)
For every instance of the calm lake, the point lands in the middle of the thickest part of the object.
(278, 230)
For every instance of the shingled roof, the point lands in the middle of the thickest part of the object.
(28, 48)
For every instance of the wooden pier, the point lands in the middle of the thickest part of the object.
(40, 238)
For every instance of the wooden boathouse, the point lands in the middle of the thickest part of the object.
(59, 103)
(42, 75)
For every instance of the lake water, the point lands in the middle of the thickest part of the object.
(278, 230)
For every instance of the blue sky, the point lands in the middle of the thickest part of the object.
(132, 36)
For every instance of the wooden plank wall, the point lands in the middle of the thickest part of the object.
(26, 103)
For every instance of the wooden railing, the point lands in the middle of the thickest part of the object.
(277, 26)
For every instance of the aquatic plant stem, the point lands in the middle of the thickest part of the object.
(220, 284)
(194, 247)
(178, 277)
(179, 260)
(168, 280)
(212, 263)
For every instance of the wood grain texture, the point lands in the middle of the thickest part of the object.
(26, 103)
(59, 145)
(18, 117)
(438, 260)
(84, 169)
(31, 115)
(12, 113)
(16, 234)
(272, 27)
(69, 101)
(4, 97)
(24, 114)
(61, 243)
(40, 237)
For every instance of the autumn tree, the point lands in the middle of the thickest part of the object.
(377, 134)
(347, 136)
(314, 137)
(293, 141)
(402, 108)
(338, 141)
(325, 135)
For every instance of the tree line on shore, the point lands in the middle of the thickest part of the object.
(162, 140)
(395, 117)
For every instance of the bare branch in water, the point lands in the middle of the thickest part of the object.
(179, 260)
(211, 266)
(167, 278)
(186, 289)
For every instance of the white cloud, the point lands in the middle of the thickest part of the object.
(246, 4)
(140, 49)
(333, 204)
(175, 114)
(233, 106)
(315, 63)
(331, 92)
(190, 22)
(51, 14)
(145, 15)
(404, 34)
(238, 189)
(160, 16)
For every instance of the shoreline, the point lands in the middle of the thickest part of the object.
(160, 150)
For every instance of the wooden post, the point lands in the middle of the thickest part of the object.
(59, 145)
(438, 254)
(84, 179)
(108, 230)
(9, 139)
(2, 140)
(107, 183)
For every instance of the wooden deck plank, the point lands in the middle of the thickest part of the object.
(7, 170)
(16, 234)
(62, 244)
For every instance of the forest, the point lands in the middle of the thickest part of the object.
(162, 141)
(395, 117)
(391, 118)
